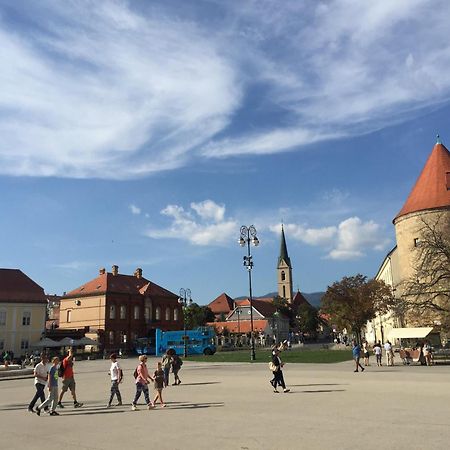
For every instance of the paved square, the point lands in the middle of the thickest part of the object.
(232, 406)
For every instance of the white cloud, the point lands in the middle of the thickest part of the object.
(134, 209)
(350, 239)
(109, 90)
(204, 224)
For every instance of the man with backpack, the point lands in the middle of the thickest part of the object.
(65, 372)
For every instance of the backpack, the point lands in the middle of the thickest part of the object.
(61, 369)
(135, 373)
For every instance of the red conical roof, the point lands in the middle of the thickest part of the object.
(432, 188)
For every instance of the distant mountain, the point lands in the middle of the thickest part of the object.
(313, 298)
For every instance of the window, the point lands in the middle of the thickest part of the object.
(111, 337)
(158, 313)
(2, 318)
(123, 338)
(26, 318)
(123, 312)
(283, 276)
(136, 312)
(284, 291)
(167, 313)
(112, 312)
(147, 313)
(175, 314)
(416, 242)
(2, 344)
(24, 344)
(69, 315)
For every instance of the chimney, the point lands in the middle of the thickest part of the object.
(115, 270)
(138, 273)
(102, 271)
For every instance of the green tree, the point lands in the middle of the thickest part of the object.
(198, 316)
(284, 307)
(308, 319)
(353, 301)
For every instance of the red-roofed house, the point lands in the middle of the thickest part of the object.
(222, 306)
(120, 308)
(22, 311)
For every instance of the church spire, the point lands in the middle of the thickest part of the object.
(283, 249)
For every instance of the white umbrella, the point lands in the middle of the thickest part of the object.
(46, 342)
(66, 342)
(86, 341)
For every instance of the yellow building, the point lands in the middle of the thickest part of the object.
(22, 312)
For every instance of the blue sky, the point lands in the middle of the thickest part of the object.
(144, 134)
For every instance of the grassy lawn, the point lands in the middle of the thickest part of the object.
(292, 356)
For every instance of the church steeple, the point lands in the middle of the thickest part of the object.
(284, 271)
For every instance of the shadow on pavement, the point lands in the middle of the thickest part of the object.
(197, 405)
(198, 384)
(319, 384)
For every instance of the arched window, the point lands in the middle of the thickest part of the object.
(284, 291)
(175, 315)
(158, 313)
(69, 315)
(123, 312)
(111, 337)
(147, 313)
(136, 312)
(112, 312)
(167, 313)
(283, 276)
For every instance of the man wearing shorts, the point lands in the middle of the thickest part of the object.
(68, 382)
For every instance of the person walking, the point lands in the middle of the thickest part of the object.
(116, 374)
(377, 351)
(68, 382)
(142, 379)
(365, 349)
(176, 366)
(278, 378)
(52, 389)
(40, 381)
(389, 353)
(158, 378)
(356, 351)
(166, 365)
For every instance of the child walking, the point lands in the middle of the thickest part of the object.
(159, 381)
(52, 389)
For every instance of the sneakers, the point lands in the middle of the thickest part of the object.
(60, 405)
(31, 410)
(275, 391)
(362, 369)
(133, 407)
(286, 390)
(77, 405)
(108, 405)
(150, 406)
(38, 411)
(119, 404)
(54, 413)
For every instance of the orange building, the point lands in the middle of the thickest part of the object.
(120, 308)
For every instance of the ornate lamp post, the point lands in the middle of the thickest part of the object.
(248, 234)
(185, 301)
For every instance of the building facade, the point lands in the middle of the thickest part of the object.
(22, 312)
(118, 309)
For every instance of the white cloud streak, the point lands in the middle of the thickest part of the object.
(135, 209)
(106, 90)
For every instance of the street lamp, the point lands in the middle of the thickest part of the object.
(248, 234)
(185, 301)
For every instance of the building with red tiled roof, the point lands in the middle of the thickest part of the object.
(120, 308)
(22, 311)
(221, 306)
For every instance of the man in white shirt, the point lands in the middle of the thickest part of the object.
(116, 377)
(389, 353)
(40, 381)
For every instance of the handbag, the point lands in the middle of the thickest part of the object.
(273, 367)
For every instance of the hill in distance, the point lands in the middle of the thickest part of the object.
(313, 298)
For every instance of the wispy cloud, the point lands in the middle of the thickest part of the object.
(350, 239)
(135, 209)
(202, 224)
(109, 90)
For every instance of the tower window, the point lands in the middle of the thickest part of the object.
(284, 291)
(283, 276)
(416, 242)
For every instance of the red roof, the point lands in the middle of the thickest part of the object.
(244, 326)
(263, 305)
(123, 284)
(299, 300)
(222, 304)
(16, 287)
(432, 188)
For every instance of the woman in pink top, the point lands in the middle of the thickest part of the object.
(142, 380)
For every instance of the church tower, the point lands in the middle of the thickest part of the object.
(284, 271)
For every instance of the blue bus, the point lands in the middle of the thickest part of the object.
(199, 341)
